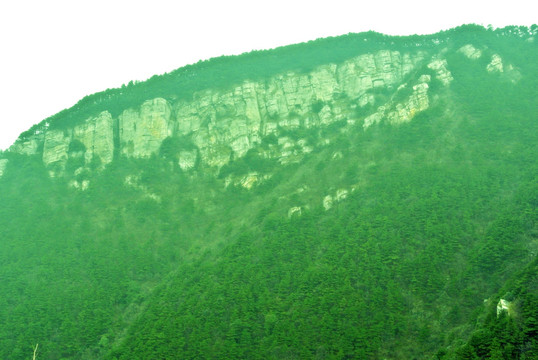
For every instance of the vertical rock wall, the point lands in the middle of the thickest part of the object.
(97, 136)
(143, 130)
(226, 124)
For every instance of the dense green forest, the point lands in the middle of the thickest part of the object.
(439, 222)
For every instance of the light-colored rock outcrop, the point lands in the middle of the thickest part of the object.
(327, 202)
(80, 185)
(503, 305)
(417, 102)
(470, 51)
(249, 180)
(55, 150)
(234, 121)
(143, 130)
(225, 124)
(374, 118)
(403, 112)
(221, 123)
(496, 64)
(441, 70)
(187, 159)
(97, 135)
(341, 194)
(3, 164)
(294, 211)
(29, 146)
(424, 78)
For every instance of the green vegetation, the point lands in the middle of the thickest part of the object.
(509, 334)
(434, 223)
(227, 71)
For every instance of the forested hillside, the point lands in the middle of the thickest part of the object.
(394, 222)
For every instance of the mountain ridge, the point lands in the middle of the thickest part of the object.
(242, 116)
(362, 208)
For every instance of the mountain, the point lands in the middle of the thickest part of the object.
(363, 196)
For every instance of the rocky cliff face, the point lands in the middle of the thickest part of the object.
(225, 124)
(229, 123)
(143, 130)
(95, 139)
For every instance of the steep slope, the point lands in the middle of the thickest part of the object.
(223, 125)
(361, 207)
(507, 327)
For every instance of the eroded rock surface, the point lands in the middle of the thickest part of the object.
(225, 124)
(496, 64)
(143, 130)
(470, 52)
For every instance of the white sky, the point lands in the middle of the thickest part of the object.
(55, 52)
